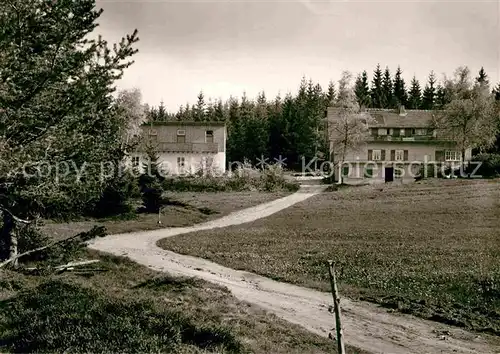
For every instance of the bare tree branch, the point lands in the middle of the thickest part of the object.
(96, 231)
(16, 219)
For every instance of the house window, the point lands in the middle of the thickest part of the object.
(369, 172)
(345, 171)
(399, 156)
(398, 173)
(181, 136)
(420, 131)
(181, 162)
(209, 136)
(452, 155)
(377, 155)
(382, 131)
(153, 135)
(135, 161)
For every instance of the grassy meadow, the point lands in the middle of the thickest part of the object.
(431, 248)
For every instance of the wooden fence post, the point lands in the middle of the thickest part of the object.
(336, 306)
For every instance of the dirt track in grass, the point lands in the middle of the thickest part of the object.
(430, 249)
(188, 208)
(366, 325)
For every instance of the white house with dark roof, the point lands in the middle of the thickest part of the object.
(184, 147)
(399, 143)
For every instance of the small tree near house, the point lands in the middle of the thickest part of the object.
(348, 129)
(471, 118)
(150, 180)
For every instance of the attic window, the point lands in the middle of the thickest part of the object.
(181, 136)
(209, 136)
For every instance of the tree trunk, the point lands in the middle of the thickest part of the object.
(463, 168)
(8, 237)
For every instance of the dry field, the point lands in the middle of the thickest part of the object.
(431, 249)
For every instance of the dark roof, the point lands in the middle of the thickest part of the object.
(385, 118)
(178, 123)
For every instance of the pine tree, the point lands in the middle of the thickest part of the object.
(257, 127)
(377, 93)
(316, 114)
(441, 97)
(261, 98)
(161, 113)
(150, 181)
(200, 108)
(399, 89)
(496, 92)
(219, 111)
(496, 95)
(287, 134)
(388, 101)
(247, 117)
(210, 111)
(428, 97)
(180, 114)
(362, 90)
(415, 94)
(330, 96)
(188, 113)
(56, 106)
(482, 78)
(277, 129)
(301, 128)
(235, 141)
(152, 115)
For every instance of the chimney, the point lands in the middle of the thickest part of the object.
(402, 111)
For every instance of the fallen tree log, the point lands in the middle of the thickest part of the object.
(96, 231)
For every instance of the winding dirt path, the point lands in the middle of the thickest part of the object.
(366, 325)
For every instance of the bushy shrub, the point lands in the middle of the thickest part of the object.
(490, 165)
(272, 178)
(62, 317)
(152, 199)
(116, 197)
(29, 238)
(195, 184)
(432, 171)
(245, 178)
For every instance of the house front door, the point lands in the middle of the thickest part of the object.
(389, 174)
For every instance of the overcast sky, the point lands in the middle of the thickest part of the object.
(227, 47)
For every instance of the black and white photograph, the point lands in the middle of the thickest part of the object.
(250, 176)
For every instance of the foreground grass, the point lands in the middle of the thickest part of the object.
(431, 249)
(188, 208)
(130, 308)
